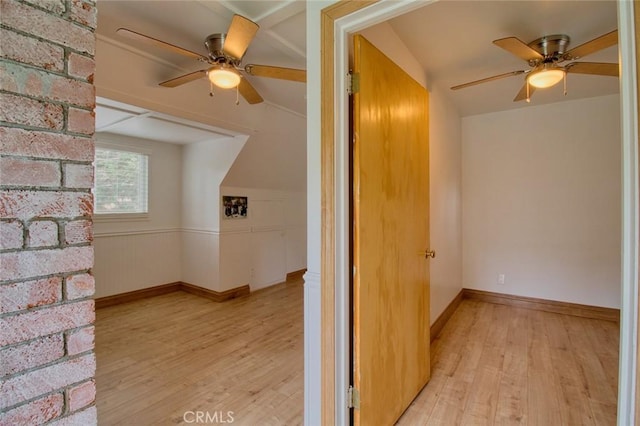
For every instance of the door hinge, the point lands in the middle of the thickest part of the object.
(353, 83)
(353, 398)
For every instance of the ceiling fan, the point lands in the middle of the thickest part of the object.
(545, 55)
(225, 52)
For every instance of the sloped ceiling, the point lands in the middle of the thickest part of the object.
(274, 156)
(280, 40)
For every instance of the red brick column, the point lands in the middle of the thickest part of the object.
(47, 97)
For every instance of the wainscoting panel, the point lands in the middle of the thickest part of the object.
(130, 261)
(296, 241)
(200, 258)
(269, 258)
(235, 258)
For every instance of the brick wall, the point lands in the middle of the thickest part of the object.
(47, 363)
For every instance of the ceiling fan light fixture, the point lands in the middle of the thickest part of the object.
(224, 77)
(546, 77)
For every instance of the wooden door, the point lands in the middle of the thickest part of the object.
(390, 237)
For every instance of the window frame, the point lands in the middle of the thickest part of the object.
(118, 217)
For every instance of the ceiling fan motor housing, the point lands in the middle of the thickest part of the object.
(544, 55)
(214, 44)
(552, 47)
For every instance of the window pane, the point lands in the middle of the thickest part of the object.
(121, 181)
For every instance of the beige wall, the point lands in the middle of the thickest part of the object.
(542, 197)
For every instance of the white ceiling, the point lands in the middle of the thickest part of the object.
(127, 120)
(451, 39)
(453, 42)
(280, 41)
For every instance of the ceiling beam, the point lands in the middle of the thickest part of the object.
(280, 12)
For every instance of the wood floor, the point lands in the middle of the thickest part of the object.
(178, 353)
(163, 359)
(500, 365)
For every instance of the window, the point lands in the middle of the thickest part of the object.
(121, 182)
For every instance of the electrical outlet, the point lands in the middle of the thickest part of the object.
(501, 279)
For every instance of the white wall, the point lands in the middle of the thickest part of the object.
(205, 165)
(445, 186)
(185, 238)
(221, 254)
(383, 37)
(295, 217)
(312, 290)
(273, 158)
(201, 258)
(541, 196)
(445, 211)
(261, 249)
(135, 254)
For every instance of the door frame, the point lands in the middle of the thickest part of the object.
(337, 22)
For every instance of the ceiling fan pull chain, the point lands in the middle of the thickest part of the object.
(238, 94)
(528, 94)
(210, 89)
(565, 84)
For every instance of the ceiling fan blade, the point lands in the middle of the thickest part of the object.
(248, 92)
(484, 80)
(178, 81)
(291, 74)
(241, 32)
(522, 94)
(519, 48)
(595, 68)
(599, 43)
(159, 43)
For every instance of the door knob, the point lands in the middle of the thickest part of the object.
(430, 254)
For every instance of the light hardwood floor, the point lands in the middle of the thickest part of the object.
(492, 364)
(165, 356)
(500, 365)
